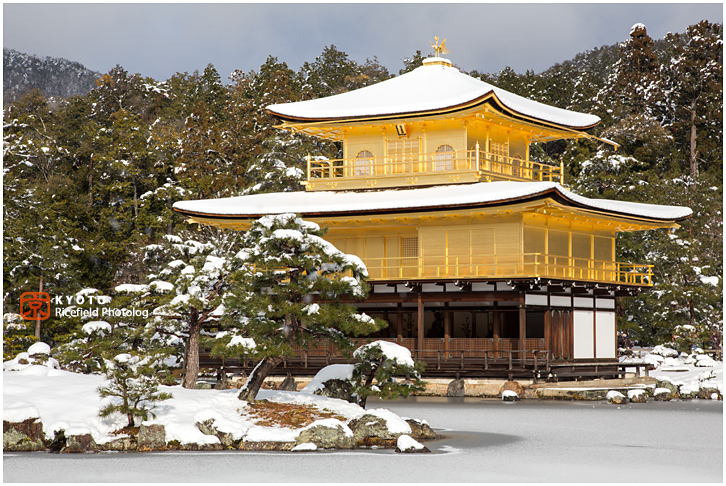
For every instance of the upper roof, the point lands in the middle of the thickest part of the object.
(433, 87)
(336, 203)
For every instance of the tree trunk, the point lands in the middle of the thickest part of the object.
(37, 321)
(692, 157)
(191, 363)
(250, 389)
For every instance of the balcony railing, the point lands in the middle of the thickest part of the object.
(509, 266)
(485, 164)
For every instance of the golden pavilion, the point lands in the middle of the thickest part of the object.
(480, 259)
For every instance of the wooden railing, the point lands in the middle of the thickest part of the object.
(508, 266)
(487, 164)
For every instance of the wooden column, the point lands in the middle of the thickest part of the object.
(447, 327)
(548, 331)
(420, 339)
(399, 323)
(474, 334)
(496, 327)
(522, 325)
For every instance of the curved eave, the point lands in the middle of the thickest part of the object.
(551, 194)
(448, 110)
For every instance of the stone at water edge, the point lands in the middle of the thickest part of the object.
(120, 445)
(675, 392)
(152, 438)
(267, 445)
(707, 393)
(615, 397)
(226, 439)
(23, 436)
(420, 429)
(662, 394)
(327, 434)
(80, 443)
(509, 396)
(408, 445)
(637, 396)
(511, 386)
(371, 430)
(456, 388)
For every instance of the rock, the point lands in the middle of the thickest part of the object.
(370, 430)
(662, 394)
(121, 444)
(80, 443)
(193, 446)
(336, 388)
(288, 384)
(305, 447)
(23, 436)
(509, 396)
(675, 392)
(511, 386)
(327, 434)
(151, 438)
(529, 393)
(615, 397)
(637, 396)
(267, 445)
(707, 393)
(226, 439)
(456, 388)
(406, 444)
(202, 386)
(420, 429)
(58, 442)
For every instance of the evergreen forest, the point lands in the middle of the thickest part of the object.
(89, 180)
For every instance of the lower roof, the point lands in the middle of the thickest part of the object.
(455, 196)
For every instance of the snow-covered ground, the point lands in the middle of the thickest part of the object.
(69, 401)
(690, 372)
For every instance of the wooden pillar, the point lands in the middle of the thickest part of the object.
(473, 325)
(447, 328)
(548, 331)
(522, 324)
(420, 338)
(496, 327)
(399, 323)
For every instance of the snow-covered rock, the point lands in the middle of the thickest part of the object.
(407, 444)
(615, 397)
(509, 396)
(637, 396)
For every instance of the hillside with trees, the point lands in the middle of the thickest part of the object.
(53, 76)
(89, 180)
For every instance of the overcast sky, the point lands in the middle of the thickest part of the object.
(159, 40)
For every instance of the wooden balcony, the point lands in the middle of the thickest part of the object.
(424, 169)
(527, 265)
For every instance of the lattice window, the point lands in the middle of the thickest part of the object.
(363, 162)
(500, 150)
(409, 247)
(444, 157)
(403, 152)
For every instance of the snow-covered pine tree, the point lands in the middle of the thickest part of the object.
(132, 381)
(192, 276)
(382, 362)
(285, 294)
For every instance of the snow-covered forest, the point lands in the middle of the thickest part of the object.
(89, 181)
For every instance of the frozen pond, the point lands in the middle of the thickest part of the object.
(484, 441)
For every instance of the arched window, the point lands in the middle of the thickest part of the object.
(363, 162)
(444, 157)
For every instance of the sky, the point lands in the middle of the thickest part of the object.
(161, 39)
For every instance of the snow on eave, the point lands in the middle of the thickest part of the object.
(456, 196)
(427, 89)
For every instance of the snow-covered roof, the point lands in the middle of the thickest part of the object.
(331, 203)
(431, 87)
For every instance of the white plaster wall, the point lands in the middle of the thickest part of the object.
(605, 335)
(582, 334)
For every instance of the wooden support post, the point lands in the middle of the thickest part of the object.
(495, 333)
(522, 326)
(420, 337)
(399, 323)
(447, 329)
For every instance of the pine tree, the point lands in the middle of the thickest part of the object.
(286, 293)
(131, 380)
(379, 363)
(693, 86)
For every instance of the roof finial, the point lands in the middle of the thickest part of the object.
(439, 49)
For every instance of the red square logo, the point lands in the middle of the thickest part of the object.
(35, 305)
